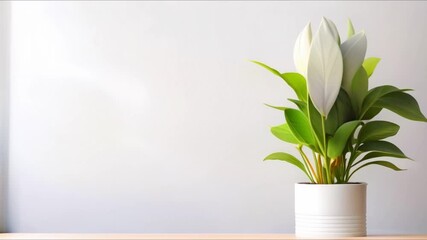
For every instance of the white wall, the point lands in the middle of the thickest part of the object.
(4, 107)
(147, 116)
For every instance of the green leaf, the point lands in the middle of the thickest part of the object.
(300, 126)
(371, 113)
(378, 149)
(300, 104)
(382, 154)
(370, 64)
(374, 95)
(270, 69)
(345, 111)
(359, 89)
(286, 158)
(381, 163)
(377, 130)
(283, 133)
(276, 107)
(381, 147)
(338, 142)
(332, 123)
(350, 29)
(316, 121)
(384, 164)
(402, 104)
(297, 82)
(341, 112)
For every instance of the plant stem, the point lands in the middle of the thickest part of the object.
(309, 174)
(318, 167)
(353, 156)
(318, 141)
(318, 159)
(307, 161)
(343, 168)
(327, 162)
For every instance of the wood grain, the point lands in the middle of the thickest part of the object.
(51, 236)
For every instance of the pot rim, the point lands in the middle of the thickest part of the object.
(331, 185)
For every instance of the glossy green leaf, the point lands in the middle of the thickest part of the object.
(381, 163)
(316, 121)
(370, 64)
(382, 154)
(300, 104)
(286, 158)
(332, 123)
(338, 142)
(384, 164)
(383, 147)
(270, 69)
(359, 89)
(376, 130)
(276, 107)
(402, 104)
(297, 82)
(378, 149)
(300, 126)
(369, 109)
(283, 133)
(346, 113)
(371, 113)
(374, 95)
(341, 112)
(350, 28)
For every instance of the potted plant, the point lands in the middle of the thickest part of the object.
(332, 117)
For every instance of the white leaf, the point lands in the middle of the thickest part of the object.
(353, 53)
(302, 50)
(328, 25)
(325, 69)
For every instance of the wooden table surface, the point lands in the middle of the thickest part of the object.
(62, 236)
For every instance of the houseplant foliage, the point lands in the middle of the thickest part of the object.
(333, 114)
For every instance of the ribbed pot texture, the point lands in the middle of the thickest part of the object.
(330, 210)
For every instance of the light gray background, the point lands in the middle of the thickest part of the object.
(147, 117)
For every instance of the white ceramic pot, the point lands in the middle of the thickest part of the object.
(330, 210)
